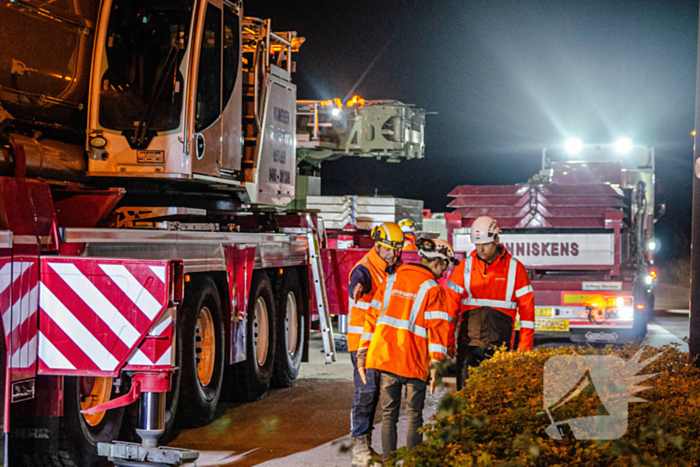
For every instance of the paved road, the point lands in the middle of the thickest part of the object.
(307, 425)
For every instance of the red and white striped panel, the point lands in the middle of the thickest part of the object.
(18, 306)
(94, 312)
(155, 352)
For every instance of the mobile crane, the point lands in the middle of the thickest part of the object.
(149, 268)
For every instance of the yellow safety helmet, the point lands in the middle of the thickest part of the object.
(389, 235)
(407, 226)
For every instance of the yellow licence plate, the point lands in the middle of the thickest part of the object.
(552, 325)
(543, 312)
(548, 325)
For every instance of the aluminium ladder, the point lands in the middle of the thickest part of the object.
(319, 285)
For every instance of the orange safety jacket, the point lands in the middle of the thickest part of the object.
(407, 325)
(502, 285)
(356, 322)
(409, 242)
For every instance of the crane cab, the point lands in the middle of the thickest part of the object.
(191, 90)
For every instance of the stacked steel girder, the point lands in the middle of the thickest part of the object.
(542, 206)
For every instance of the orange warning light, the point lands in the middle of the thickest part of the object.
(356, 100)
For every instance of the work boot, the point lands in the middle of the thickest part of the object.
(372, 452)
(361, 455)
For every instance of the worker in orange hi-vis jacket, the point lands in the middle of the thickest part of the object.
(485, 294)
(408, 227)
(407, 328)
(365, 279)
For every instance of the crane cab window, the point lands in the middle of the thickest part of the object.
(209, 71)
(232, 31)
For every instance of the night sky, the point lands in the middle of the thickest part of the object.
(507, 78)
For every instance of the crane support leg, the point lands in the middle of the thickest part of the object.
(150, 388)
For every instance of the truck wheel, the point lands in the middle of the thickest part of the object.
(255, 373)
(172, 399)
(80, 433)
(641, 317)
(291, 324)
(640, 324)
(201, 335)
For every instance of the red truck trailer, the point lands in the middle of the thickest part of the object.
(584, 229)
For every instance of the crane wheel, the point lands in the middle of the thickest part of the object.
(201, 336)
(251, 378)
(291, 328)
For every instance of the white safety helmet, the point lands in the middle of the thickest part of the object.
(407, 226)
(484, 230)
(436, 248)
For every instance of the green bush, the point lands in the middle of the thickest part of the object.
(498, 418)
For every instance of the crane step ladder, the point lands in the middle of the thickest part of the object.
(319, 285)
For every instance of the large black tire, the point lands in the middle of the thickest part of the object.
(172, 398)
(642, 317)
(255, 373)
(291, 327)
(78, 439)
(201, 336)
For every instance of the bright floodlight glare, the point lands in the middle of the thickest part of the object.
(335, 112)
(623, 145)
(652, 245)
(573, 146)
(626, 313)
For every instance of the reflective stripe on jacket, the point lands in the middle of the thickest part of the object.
(407, 324)
(409, 243)
(356, 321)
(502, 285)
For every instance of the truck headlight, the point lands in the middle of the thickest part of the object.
(573, 146)
(626, 312)
(623, 145)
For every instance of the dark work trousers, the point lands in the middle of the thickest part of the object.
(364, 405)
(481, 332)
(469, 356)
(392, 385)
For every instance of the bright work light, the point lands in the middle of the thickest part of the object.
(626, 313)
(623, 145)
(573, 146)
